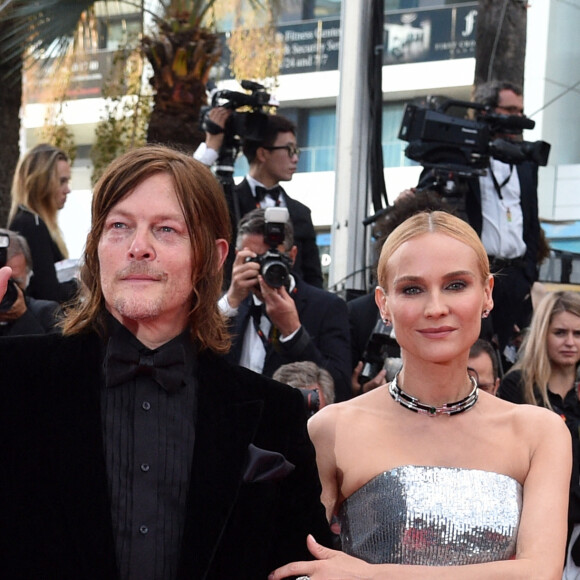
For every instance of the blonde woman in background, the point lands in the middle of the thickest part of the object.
(546, 375)
(39, 191)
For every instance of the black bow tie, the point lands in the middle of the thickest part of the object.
(165, 366)
(274, 193)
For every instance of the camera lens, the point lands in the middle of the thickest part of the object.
(275, 273)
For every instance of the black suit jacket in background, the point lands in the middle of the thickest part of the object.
(307, 263)
(56, 521)
(528, 178)
(41, 317)
(323, 339)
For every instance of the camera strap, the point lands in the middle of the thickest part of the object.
(497, 186)
(256, 311)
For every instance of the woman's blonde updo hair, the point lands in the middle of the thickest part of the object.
(431, 223)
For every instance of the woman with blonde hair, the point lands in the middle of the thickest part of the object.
(545, 374)
(39, 190)
(427, 476)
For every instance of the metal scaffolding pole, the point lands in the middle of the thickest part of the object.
(355, 161)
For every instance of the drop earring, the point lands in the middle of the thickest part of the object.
(485, 313)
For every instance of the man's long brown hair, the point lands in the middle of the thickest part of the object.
(206, 214)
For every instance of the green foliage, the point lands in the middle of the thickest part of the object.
(60, 136)
(124, 122)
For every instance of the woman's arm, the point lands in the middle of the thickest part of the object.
(321, 431)
(541, 536)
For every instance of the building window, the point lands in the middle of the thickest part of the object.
(393, 147)
(317, 138)
(410, 4)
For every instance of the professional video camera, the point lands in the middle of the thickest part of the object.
(274, 266)
(11, 291)
(458, 146)
(249, 123)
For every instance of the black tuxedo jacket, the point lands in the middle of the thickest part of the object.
(307, 263)
(242, 519)
(323, 338)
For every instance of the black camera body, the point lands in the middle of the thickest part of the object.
(274, 268)
(249, 124)
(382, 351)
(464, 146)
(311, 401)
(274, 265)
(12, 290)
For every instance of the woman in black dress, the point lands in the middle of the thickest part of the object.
(39, 190)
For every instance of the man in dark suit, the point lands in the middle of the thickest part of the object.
(273, 326)
(129, 448)
(272, 160)
(502, 207)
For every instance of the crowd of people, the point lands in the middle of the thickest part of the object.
(155, 417)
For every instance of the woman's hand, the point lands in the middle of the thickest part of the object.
(329, 565)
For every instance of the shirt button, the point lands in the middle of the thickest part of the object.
(146, 405)
(143, 530)
(145, 467)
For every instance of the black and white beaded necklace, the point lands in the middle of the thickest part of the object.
(413, 404)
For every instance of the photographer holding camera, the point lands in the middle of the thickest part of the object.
(276, 317)
(502, 207)
(20, 314)
(272, 153)
(315, 383)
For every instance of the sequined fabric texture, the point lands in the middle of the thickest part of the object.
(434, 516)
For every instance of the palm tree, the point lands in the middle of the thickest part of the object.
(500, 49)
(41, 27)
(182, 53)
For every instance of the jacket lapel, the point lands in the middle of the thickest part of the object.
(225, 426)
(238, 328)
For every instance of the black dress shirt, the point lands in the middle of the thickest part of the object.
(149, 437)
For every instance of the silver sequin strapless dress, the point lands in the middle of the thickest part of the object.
(433, 516)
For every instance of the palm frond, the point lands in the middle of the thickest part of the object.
(30, 30)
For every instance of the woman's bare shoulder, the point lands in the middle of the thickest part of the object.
(340, 415)
(529, 418)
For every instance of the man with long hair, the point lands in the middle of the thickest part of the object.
(129, 448)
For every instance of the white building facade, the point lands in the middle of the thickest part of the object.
(428, 49)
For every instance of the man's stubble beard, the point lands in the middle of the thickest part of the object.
(138, 309)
